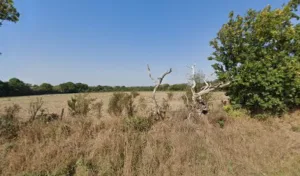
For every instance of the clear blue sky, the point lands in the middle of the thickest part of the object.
(109, 42)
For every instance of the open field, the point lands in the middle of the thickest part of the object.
(111, 146)
(55, 103)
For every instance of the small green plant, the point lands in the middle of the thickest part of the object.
(140, 124)
(98, 106)
(221, 122)
(80, 105)
(35, 107)
(234, 112)
(9, 124)
(262, 116)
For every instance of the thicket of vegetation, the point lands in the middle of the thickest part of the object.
(82, 144)
(16, 87)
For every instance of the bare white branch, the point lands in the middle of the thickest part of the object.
(196, 96)
(157, 84)
(150, 75)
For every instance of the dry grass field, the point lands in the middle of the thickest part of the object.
(55, 103)
(112, 146)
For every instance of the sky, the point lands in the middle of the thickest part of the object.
(110, 42)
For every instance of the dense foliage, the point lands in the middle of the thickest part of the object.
(8, 12)
(260, 54)
(16, 87)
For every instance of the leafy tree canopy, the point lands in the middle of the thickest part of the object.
(8, 12)
(260, 54)
(46, 88)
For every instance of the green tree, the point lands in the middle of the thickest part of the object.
(260, 54)
(81, 87)
(4, 89)
(68, 87)
(18, 87)
(8, 12)
(46, 88)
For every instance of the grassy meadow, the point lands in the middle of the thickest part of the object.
(221, 143)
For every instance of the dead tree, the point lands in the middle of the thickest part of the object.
(198, 104)
(157, 82)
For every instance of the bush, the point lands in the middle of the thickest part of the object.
(235, 112)
(35, 107)
(115, 105)
(122, 102)
(80, 105)
(9, 124)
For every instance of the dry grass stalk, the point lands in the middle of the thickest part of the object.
(35, 107)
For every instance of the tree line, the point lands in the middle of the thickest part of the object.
(16, 87)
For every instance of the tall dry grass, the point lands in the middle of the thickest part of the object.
(175, 146)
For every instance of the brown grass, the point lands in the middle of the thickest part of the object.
(106, 146)
(55, 103)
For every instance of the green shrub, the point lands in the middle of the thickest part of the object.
(80, 105)
(235, 112)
